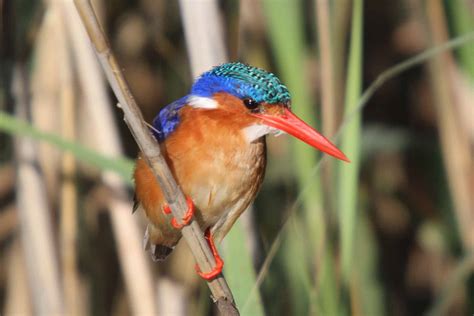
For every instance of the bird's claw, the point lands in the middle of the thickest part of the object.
(219, 263)
(186, 219)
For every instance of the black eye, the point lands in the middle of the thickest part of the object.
(251, 104)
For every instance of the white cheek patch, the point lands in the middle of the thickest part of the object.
(202, 102)
(255, 131)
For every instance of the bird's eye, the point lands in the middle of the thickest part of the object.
(251, 104)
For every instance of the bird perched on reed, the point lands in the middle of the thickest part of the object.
(214, 142)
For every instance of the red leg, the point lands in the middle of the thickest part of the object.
(219, 263)
(186, 218)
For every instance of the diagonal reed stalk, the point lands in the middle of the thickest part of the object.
(151, 152)
(136, 273)
(380, 80)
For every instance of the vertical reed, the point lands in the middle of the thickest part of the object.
(348, 184)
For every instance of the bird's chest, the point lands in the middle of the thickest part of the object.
(220, 174)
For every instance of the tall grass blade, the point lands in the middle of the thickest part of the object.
(366, 289)
(240, 272)
(462, 20)
(349, 173)
(287, 38)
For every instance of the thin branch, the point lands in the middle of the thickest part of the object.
(134, 266)
(151, 152)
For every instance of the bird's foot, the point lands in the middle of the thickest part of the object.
(187, 216)
(219, 263)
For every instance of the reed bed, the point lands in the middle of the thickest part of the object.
(388, 234)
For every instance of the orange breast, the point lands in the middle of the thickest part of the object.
(212, 163)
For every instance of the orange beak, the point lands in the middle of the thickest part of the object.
(293, 125)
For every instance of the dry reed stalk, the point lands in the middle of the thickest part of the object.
(203, 33)
(328, 97)
(68, 226)
(151, 152)
(36, 226)
(137, 275)
(139, 284)
(340, 25)
(17, 296)
(45, 85)
(454, 139)
(328, 100)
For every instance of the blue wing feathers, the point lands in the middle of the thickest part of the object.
(168, 119)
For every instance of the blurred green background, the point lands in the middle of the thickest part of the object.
(391, 233)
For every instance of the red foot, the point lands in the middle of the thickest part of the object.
(186, 218)
(219, 263)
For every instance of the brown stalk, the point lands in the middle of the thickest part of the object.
(151, 152)
(327, 68)
(328, 95)
(73, 302)
(44, 101)
(340, 24)
(454, 139)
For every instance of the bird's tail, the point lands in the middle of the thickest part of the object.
(157, 252)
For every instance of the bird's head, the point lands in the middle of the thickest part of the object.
(257, 98)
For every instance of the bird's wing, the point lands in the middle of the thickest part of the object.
(168, 119)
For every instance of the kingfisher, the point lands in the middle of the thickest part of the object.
(213, 140)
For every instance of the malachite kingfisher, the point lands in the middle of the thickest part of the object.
(214, 142)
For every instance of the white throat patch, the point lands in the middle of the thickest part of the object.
(202, 102)
(255, 131)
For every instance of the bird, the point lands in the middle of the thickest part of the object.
(213, 140)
